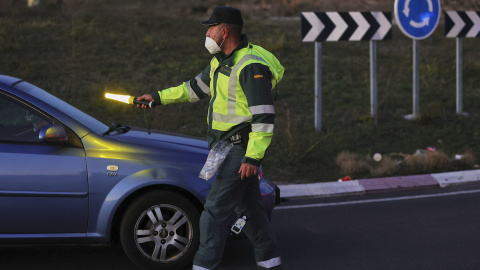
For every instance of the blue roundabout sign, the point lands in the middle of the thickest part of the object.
(417, 18)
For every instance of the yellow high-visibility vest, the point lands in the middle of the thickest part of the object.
(230, 107)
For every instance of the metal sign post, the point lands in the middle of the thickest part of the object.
(318, 86)
(417, 19)
(351, 26)
(459, 76)
(416, 78)
(459, 24)
(373, 81)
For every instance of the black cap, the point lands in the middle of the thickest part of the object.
(224, 15)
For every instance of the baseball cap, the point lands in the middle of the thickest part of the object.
(224, 15)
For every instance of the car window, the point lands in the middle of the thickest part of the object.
(61, 105)
(19, 122)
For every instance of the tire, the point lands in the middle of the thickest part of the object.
(160, 230)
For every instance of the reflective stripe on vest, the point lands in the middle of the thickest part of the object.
(205, 89)
(262, 127)
(261, 109)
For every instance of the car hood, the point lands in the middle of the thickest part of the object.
(151, 138)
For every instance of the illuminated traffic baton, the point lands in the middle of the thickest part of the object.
(130, 100)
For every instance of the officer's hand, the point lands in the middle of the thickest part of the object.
(247, 170)
(144, 97)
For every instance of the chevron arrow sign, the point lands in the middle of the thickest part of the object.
(351, 26)
(462, 24)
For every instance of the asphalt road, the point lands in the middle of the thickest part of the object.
(426, 229)
(405, 230)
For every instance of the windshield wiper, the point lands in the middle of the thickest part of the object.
(119, 128)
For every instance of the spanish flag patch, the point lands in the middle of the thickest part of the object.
(258, 76)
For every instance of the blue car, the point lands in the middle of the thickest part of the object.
(65, 177)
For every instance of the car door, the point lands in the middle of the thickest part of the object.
(43, 186)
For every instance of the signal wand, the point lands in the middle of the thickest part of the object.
(130, 100)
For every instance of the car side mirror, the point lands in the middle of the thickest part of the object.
(52, 133)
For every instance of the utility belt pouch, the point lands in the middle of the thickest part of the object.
(236, 139)
(242, 136)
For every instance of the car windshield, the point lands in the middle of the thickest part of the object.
(61, 105)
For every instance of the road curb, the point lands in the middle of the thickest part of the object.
(377, 185)
(321, 189)
(457, 178)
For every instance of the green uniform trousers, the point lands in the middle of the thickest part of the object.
(229, 193)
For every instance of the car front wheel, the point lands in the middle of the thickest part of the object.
(160, 230)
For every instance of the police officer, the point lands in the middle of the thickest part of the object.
(238, 80)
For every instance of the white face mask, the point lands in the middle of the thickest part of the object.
(212, 46)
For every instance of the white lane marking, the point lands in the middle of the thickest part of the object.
(377, 200)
